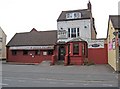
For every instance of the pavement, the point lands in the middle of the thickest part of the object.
(44, 75)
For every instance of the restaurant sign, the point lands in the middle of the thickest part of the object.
(31, 47)
(96, 44)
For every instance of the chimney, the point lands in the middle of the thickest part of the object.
(89, 6)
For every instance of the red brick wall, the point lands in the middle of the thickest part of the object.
(99, 55)
(77, 59)
(26, 58)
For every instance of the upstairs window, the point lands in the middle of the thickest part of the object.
(68, 32)
(73, 32)
(77, 15)
(69, 16)
(78, 32)
(73, 15)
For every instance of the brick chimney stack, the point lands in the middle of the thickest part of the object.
(89, 6)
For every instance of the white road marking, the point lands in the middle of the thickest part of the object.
(3, 84)
(117, 77)
(85, 84)
(52, 83)
(108, 85)
(70, 83)
(21, 80)
(7, 79)
(36, 81)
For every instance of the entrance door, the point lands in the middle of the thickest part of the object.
(61, 52)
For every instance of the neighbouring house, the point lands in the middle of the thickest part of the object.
(2, 44)
(31, 47)
(113, 41)
(74, 42)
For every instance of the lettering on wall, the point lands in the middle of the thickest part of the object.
(31, 47)
(96, 44)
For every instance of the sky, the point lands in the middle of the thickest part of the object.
(22, 15)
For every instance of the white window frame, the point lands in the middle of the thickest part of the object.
(72, 15)
(73, 32)
(45, 53)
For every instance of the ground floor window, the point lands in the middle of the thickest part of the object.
(14, 52)
(76, 49)
(44, 53)
(50, 52)
(37, 52)
(83, 49)
(25, 52)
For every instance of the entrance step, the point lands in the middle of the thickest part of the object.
(59, 63)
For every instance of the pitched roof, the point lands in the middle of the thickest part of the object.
(115, 21)
(34, 38)
(85, 14)
(76, 39)
(2, 31)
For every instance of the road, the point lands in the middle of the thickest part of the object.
(58, 76)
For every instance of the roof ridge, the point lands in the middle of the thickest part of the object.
(37, 31)
(75, 10)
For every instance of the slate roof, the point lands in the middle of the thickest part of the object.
(115, 21)
(85, 14)
(34, 38)
(76, 39)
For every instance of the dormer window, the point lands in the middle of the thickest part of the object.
(73, 15)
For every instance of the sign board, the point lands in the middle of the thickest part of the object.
(96, 44)
(31, 47)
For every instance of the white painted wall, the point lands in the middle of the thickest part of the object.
(2, 44)
(85, 33)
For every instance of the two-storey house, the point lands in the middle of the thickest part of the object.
(76, 24)
(2, 44)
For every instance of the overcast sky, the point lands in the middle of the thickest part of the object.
(23, 15)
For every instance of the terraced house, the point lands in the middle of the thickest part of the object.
(2, 44)
(74, 42)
